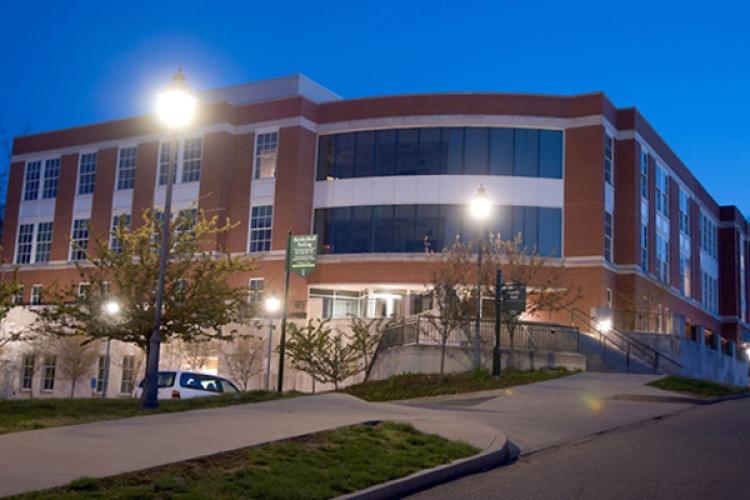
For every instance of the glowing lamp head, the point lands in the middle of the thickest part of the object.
(480, 206)
(272, 305)
(604, 325)
(112, 308)
(176, 106)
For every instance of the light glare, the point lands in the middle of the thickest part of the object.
(272, 304)
(112, 308)
(176, 107)
(480, 206)
(604, 325)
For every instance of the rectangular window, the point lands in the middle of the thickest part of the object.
(501, 151)
(476, 151)
(608, 297)
(644, 174)
(608, 236)
(127, 379)
(43, 242)
(684, 214)
(406, 154)
(261, 221)
(25, 243)
(608, 158)
(165, 158)
(27, 376)
(364, 154)
(644, 247)
(101, 373)
(385, 152)
(119, 222)
(17, 298)
(86, 173)
(343, 165)
(83, 290)
(430, 157)
(79, 240)
(48, 375)
(186, 220)
(550, 153)
(685, 274)
(255, 290)
(36, 295)
(526, 153)
(32, 180)
(51, 176)
(662, 259)
(662, 192)
(192, 153)
(126, 168)
(266, 151)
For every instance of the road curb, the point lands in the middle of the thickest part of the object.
(649, 398)
(497, 455)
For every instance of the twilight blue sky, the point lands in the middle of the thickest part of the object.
(684, 64)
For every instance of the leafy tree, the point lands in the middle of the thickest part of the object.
(198, 297)
(75, 359)
(243, 357)
(9, 287)
(364, 338)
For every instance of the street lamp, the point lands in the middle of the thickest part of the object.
(111, 309)
(480, 208)
(272, 306)
(176, 108)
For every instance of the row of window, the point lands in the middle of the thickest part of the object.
(416, 228)
(49, 372)
(710, 292)
(709, 236)
(41, 177)
(437, 151)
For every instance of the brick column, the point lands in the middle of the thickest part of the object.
(627, 203)
(695, 250)
(218, 158)
(66, 188)
(12, 207)
(240, 181)
(104, 188)
(584, 191)
(652, 216)
(145, 181)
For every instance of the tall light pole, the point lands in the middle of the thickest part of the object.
(111, 309)
(272, 306)
(176, 108)
(480, 209)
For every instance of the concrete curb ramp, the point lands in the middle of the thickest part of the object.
(499, 453)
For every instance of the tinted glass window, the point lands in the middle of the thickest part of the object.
(228, 387)
(404, 228)
(344, 163)
(382, 223)
(530, 229)
(501, 222)
(453, 216)
(550, 231)
(364, 158)
(501, 151)
(476, 149)
(361, 239)
(453, 150)
(200, 382)
(429, 227)
(325, 156)
(430, 158)
(526, 152)
(385, 152)
(408, 146)
(340, 228)
(166, 379)
(550, 153)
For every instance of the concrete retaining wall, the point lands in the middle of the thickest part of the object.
(426, 359)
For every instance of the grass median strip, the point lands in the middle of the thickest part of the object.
(417, 385)
(29, 414)
(321, 465)
(695, 387)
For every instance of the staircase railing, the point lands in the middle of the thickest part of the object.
(631, 348)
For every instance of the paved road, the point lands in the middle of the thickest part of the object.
(702, 452)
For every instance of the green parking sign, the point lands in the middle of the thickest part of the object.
(303, 252)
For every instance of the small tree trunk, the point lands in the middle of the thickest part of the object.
(442, 356)
(73, 389)
(313, 384)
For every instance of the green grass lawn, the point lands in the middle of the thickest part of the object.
(414, 385)
(696, 387)
(28, 414)
(322, 465)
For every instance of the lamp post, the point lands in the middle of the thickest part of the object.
(111, 309)
(480, 209)
(271, 305)
(176, 109)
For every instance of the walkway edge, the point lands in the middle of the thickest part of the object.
(495, 456)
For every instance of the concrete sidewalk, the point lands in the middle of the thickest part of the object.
(533, 417)
(40, 459)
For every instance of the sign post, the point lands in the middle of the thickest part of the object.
(301, 255)
(496, 359)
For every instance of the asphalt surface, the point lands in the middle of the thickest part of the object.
(701, 452)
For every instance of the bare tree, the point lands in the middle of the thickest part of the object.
(196, 353)
(243, 359)
(76, 359)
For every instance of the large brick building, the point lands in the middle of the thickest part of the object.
(579, 178)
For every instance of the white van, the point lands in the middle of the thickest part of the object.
(186, 385)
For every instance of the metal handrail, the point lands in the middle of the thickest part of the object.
(622, 338)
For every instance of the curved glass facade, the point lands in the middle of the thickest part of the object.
(409, 228)
(441, 151)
